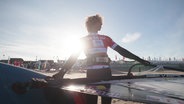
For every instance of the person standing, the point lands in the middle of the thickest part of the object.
(95, 49)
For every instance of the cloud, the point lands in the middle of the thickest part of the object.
(131, 37)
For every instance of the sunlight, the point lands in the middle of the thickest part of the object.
(72, 44)
(75, 87)
(67, 42)
(71, 87)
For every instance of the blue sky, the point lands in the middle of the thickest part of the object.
(49, 29)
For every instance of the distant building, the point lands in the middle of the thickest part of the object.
(30, 64)
(4, 61)
(44, 64)
(16, 61)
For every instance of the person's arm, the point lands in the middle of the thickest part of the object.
(71, 61)
(130, 55)
(68, 64)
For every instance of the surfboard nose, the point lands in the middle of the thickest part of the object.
(9, 75)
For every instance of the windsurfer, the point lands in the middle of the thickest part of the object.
(95, 49)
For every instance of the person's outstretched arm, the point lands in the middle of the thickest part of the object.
(68, 64)
(130, 55)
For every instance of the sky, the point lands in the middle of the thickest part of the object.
(49, 29)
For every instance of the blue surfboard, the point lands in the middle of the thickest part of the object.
(9, 75)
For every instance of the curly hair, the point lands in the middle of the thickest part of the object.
(91, 21)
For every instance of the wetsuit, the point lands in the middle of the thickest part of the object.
(95, 49)
(98, 62)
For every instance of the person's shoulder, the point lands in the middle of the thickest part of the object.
(105, 36)
(84, 37)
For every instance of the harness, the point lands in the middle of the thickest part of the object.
(98, 60)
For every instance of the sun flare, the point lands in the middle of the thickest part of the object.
(69, 43)
(72, 44)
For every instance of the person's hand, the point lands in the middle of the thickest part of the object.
(49, 78)
(58, 75)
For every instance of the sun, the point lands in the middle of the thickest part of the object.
(72, 44)
(68, 42)
(63, 47)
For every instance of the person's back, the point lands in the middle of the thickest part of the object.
(95, 48)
